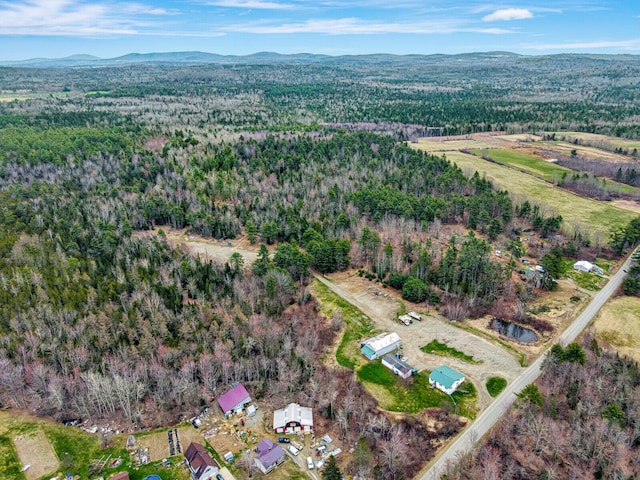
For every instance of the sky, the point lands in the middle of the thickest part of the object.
(107, 28)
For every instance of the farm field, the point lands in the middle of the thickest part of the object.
(158, 443)
(618, 324)
(583, 213)
(521, 161)
(442, 144)
(601, 141)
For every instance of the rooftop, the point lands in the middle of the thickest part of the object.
(293, 413)
(269, 452)
(446, 376)
(233, 397)
(382, 341)
(397, 363)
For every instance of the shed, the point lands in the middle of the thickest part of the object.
(269, 456)
(380, 345)
(293, 418)
(200, 463)
(234, 400)
(583, 266)
(251, 410)
(446, 379)
(397, 366)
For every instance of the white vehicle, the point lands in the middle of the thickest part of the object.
(309, 463)
(406, 319)
(294, 451)
(415, 316)
(319, 464)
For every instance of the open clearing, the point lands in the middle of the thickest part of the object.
(618, 324)
(587, 214)
(596, 140)
(34, 449)
(521, 161)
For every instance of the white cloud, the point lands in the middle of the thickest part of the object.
(508, 14)
(73, 17)
(355, 26)
(256, 4)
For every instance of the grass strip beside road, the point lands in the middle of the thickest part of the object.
(356, 324)
(495, 385)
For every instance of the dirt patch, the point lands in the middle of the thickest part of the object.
(627, 205)
(34, 449)
(618, 325)
(158, 443)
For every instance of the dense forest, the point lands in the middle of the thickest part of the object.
(579, 421)
(100, 321)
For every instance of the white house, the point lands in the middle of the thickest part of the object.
(270, 455)
(583, 266)
(293, 418)
(380, 345)
(446, 379)
(200, 463)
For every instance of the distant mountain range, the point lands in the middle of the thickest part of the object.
(262, 58)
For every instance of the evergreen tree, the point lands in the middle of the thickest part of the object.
(331, 470)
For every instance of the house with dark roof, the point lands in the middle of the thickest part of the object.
(269, 456)
(397, 366)
(200, 463)
(446, 379)
(234, 400)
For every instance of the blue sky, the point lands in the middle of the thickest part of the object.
(106, 28)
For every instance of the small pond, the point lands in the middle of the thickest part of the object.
(511, 330)
(152, 477)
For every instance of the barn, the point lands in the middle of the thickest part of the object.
(234, 400)
(380, 345)
(293, 418)
(583, 266)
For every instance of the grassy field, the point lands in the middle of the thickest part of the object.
(618, 324)
(495, 385)
(593, 216)
(356, 325)
(436, 348)
(410, 396)
(527, 163)
(602, 141)
(73, 448)
(439, 145)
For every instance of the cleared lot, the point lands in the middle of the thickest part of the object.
(35, 450)
(371, 299)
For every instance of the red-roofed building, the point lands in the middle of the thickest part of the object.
(120, 476)
(234, 400)
(200, 463)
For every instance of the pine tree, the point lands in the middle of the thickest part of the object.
(331, 470)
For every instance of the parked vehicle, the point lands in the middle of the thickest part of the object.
(309, 463)
(294, 451)
(219, 477)
(283, 440)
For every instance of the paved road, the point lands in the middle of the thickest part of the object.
(494, 412)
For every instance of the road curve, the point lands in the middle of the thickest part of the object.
(487, 419)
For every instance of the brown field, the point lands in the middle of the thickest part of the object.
(34, 449)
(594, 139)
(158, 442)
(618, 324)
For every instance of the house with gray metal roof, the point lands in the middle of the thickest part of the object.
(446, 379)
(397, 366)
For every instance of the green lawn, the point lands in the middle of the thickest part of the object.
(436, 348)
(356, 325)
(533, 165)
(591, 216)
(495, 385)
(412, 395)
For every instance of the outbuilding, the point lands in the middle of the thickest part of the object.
(446, 379)
(269, 456)
(292, 419)
(583, 266)
(234, 400)
(380, 345)
(397, 366)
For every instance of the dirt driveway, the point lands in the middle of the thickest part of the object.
(381, 306)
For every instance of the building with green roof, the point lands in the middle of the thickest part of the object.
(446, 379)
